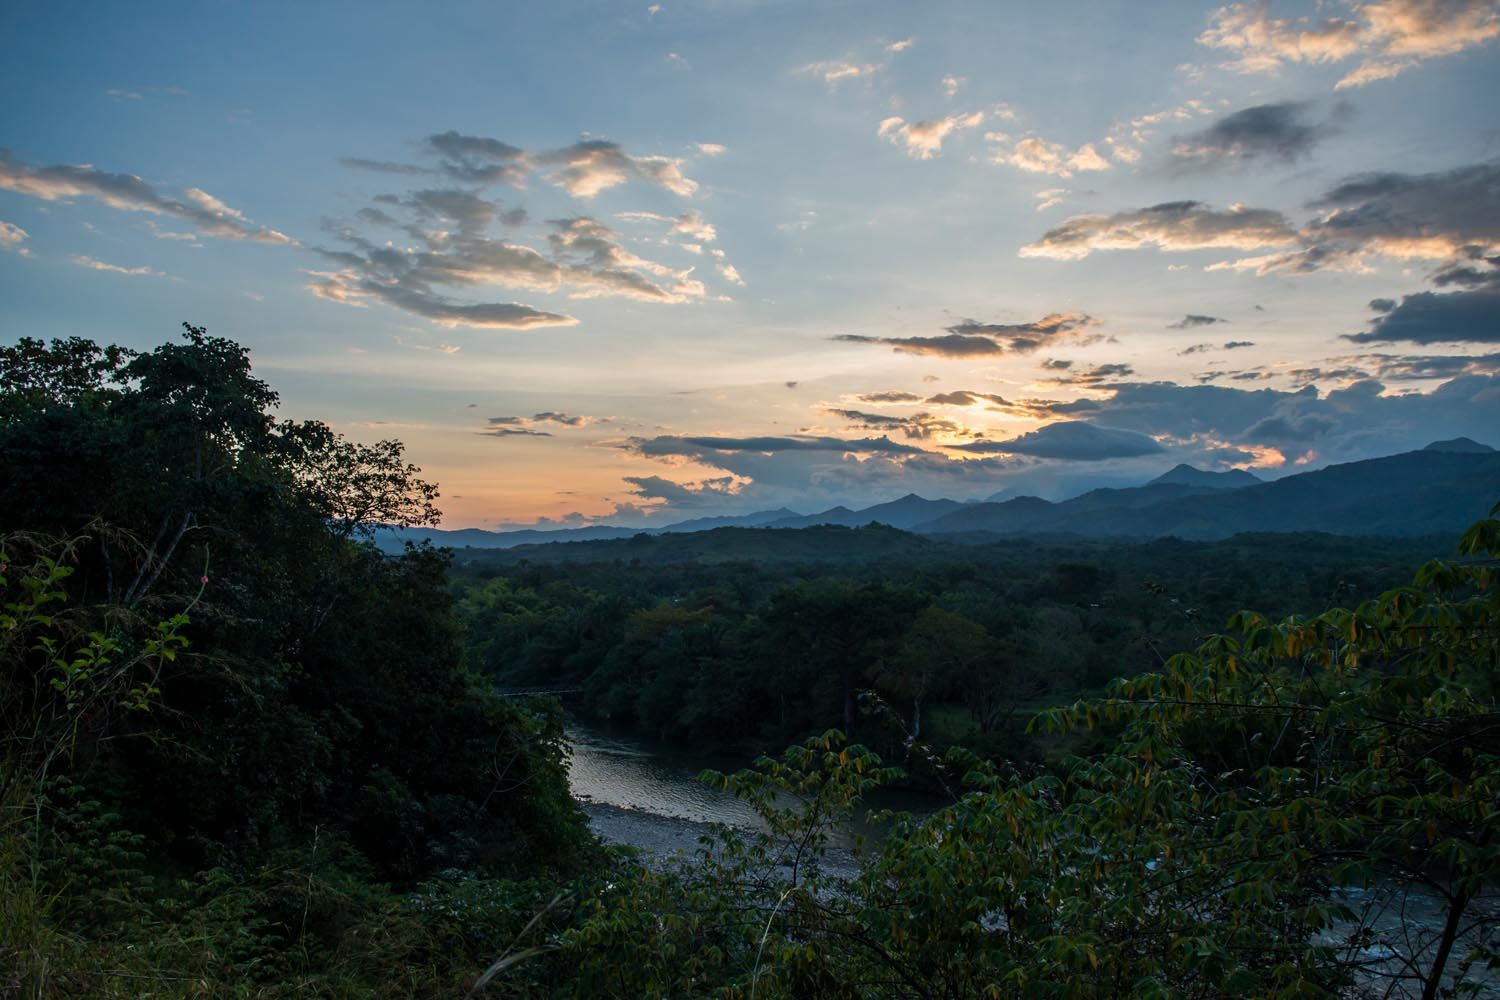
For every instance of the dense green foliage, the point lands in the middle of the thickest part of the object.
(688, 647)
(219, 708)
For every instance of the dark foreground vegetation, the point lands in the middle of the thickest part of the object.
(246, 755)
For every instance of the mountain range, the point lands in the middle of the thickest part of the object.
(1440, 489)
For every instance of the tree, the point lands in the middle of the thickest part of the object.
(939, 653)
(833, 629)
(325, 688)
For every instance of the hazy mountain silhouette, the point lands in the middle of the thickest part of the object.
(1441, 489)
(1461, 445)
(905, 513)
(1416, 493)
(1187, 475)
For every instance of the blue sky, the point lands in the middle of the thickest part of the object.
(636, 262)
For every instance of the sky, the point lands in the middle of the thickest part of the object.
(632, 263)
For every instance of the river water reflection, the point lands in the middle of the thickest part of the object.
(625, 773)
(648, 796)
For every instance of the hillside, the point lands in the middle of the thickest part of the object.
(1416, 493)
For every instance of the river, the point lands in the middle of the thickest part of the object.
(647, 796)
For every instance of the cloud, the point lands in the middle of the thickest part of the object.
(11, 238)
(950, 346)
(1039, 156)
(672, 445)
(1126, 137)
(593, 165)
(1451, 216)
(1095, 375)
(1422, 367)
(502, 430)
(834, 70)
(1435, 318)
(385, 167)
(963, 397)
(469, 212)
(972, 338)
(1050, 198)
(1073, 440)
(917, 426)
(683, 495)
(951, 85)
(583, 169)
(1428, 216)
(595, 263)
(711, 148)
(1263, 132)
(1173, 226)
(450, 228)
(1232, 345)
(1288, 429)
(900, 46)
(890, 396)
(475, 159)
(690, 224)
(586, 261)
(1360, 421)
(1122, 434)
(99, 265)
(440, 348)
(566, 419)
(481, 315)
(924, 140)
(1388, 36)
(504, 426)
(1192, 320)
(129, 193)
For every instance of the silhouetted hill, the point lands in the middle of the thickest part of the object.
(1461, 445)
(1187, 475)
(905, 513)
(841, 516)
(1416, 493)
(1083, 515)
(393, 540)
(757, 520)
(802, 545)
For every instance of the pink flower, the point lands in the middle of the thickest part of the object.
(203, 580)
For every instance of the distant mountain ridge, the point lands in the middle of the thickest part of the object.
(1187, 475)
(1415, 493)
(1461, 445)
(1440, 489)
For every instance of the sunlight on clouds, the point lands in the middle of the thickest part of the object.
(127, 192)
(11, 238)
(99, 265)
(1391, 36)
(834, 70)
(594, 165)
(924, 140)
(1039, 156)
